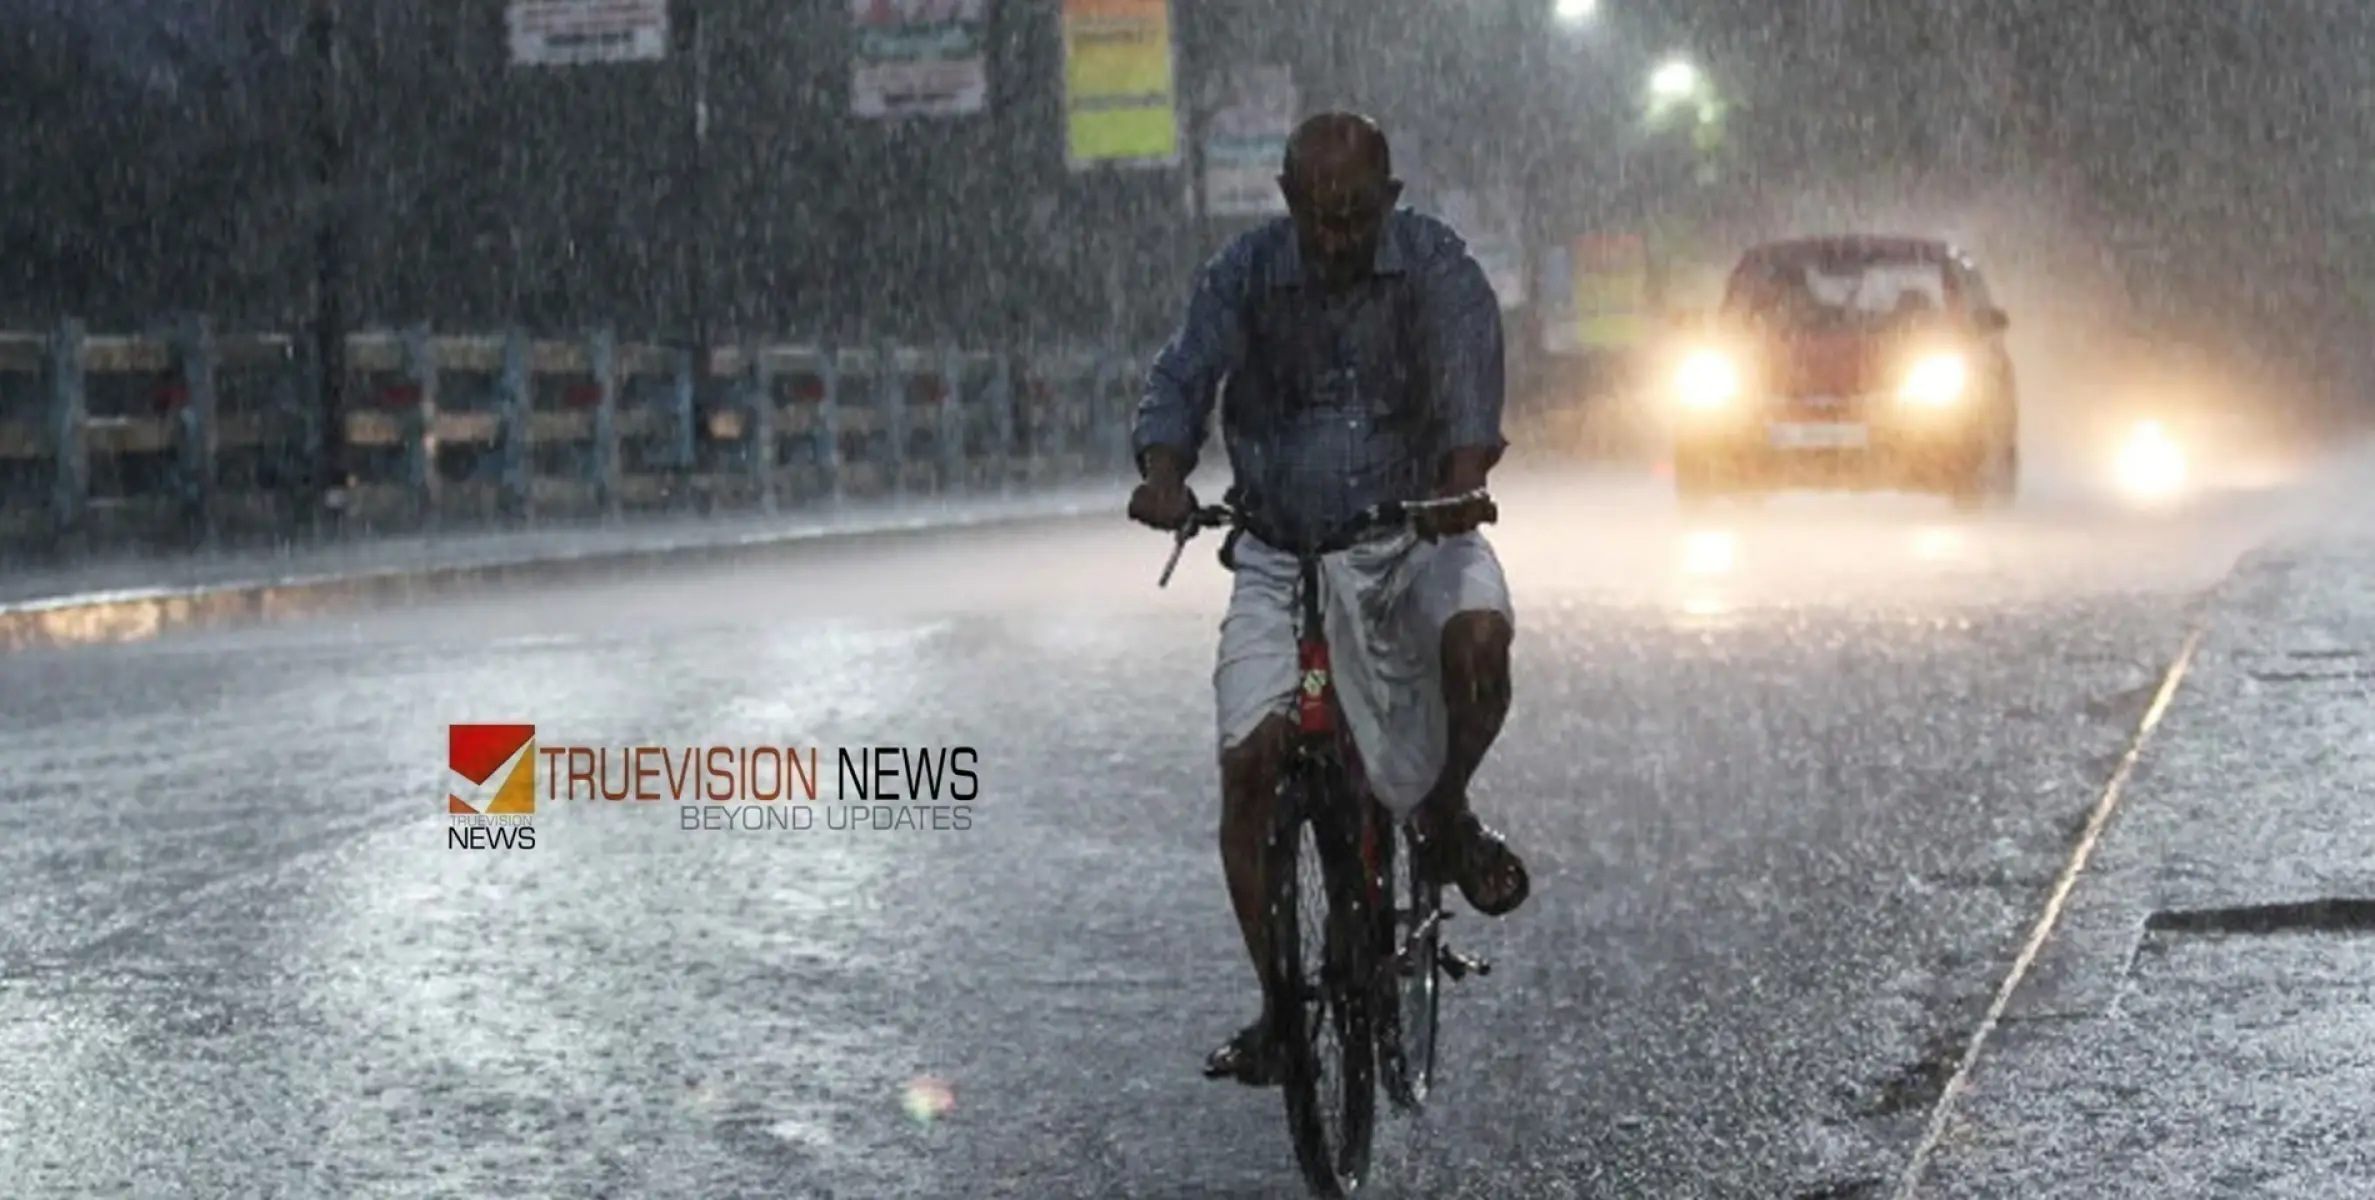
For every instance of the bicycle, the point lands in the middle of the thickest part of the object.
(1383, 956)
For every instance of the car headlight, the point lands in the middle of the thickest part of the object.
(1936, 380)
(2151, 464)
(1707, 380)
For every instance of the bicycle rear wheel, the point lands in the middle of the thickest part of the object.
(1321, 942)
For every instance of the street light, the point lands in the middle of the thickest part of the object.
(1573, 13)
(1674, 80)
(1678, 85)
(1677, 88)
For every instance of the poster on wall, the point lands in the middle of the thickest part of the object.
(1253, 111)
(568, 33)
(1120, 95)
(1611, 290)
(919, 58)
(1488, 219)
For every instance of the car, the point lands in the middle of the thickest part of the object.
(1848, 362)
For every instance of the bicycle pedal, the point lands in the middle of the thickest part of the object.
(1458, 965)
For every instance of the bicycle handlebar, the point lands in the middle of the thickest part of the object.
(1390, 512)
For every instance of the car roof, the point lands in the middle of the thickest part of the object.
(1859, 244)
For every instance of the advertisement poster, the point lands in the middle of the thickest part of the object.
(1120, 96)
(1488, 219)
(1611, 290)
(919, 58)
(568, 33)
(1245, 142)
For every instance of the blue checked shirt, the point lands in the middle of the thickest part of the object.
(1331, 404)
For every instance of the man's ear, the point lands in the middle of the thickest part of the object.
(1393, 192)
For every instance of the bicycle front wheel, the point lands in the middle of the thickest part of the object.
(1408, 996)
(1321, 941)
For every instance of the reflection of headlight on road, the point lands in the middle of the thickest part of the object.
(1708, 552)
(1936, 380)
(1937, 545)
(1707, 380)
(2151, 465)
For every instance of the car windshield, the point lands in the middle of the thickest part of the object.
(1840, 292)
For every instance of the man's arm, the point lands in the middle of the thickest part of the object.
(1175, 409)
(1461, 344)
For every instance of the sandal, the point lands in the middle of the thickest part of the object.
(1492, 878)
(1246, 1058)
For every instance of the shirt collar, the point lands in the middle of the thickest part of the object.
(1287, 271)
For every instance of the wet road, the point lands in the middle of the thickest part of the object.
(1791, 780)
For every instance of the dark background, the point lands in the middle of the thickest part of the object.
(2211, 159)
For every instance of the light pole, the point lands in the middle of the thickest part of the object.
(697, 281)
(1681, 143)
(329, 282)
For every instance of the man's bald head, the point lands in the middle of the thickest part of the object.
(1333, 145)
(1339, 185)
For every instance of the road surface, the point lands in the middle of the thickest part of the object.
(1792, 781)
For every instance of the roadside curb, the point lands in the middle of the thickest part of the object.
(140, 614)
(2274, 628)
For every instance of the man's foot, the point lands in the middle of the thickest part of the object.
(1246, 1058)
(1490, 875)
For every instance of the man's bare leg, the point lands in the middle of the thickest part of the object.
(1476, 696)
(1249, 790)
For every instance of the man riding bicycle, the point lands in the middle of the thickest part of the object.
(1356, 350)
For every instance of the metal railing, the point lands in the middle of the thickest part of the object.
(194, 435)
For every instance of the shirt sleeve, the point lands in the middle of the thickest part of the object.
(1460, 324)
(1175, 407)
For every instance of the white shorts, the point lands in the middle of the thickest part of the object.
(1388, 668)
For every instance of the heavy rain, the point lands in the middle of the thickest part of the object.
(578, 614)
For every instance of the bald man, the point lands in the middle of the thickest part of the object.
(1355, 349)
